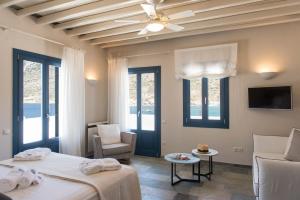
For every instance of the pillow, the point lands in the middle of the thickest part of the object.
(109, 133)
(292, 151)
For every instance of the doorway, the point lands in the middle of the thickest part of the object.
(35, 102)
(145, 109)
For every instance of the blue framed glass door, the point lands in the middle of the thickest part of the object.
(35, 104)
(145, 111)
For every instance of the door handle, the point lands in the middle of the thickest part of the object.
(139, 113)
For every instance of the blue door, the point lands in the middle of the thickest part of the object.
(145, 110)
(35, 101)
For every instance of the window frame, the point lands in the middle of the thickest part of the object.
(46, 61)
(205, 122)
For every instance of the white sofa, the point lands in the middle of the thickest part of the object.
(274, 178)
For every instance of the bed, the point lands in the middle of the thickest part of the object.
(64, 181)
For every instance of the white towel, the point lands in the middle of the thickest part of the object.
(32, 154)
(29, 177)
(98, 165)
(11, 180)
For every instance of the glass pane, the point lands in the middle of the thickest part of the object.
(32, 102)
(52, 98)
(132, 119)
(148, 101)
(196, 99)
(214, 94)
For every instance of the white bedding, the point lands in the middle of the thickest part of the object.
(122, 184)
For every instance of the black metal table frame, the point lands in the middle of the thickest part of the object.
(174, 173)
(210, 169)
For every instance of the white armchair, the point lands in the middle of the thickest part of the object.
(274, 178)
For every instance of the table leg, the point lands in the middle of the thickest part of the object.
(193, 169)
(172, 174)
(175, 170)
(211, 164)
(199, 180)
(210, 169)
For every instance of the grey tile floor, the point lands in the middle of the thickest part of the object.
(229, 182)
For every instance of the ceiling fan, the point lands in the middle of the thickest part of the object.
(157, 20)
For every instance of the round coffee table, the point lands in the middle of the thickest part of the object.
(192, 160)
(209, 154)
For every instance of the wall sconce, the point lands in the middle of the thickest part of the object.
(92, 82)
(268, 75)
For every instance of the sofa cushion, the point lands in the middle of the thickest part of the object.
(115, 149)
(109, 133)
(269, 144)
(292, 151)
(255, 167)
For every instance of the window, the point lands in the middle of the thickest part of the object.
(206, 103)
(35, 101)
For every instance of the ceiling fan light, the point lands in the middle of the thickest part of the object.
(154, 1)
(155, 27)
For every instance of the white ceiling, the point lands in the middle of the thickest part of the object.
(93, 20)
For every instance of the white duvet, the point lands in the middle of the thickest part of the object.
(64, 181)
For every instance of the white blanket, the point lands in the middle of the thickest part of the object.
(122, 184)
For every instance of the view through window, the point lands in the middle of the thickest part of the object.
(206, 102)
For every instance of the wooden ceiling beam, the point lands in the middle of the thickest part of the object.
(119, 14)
(246, 18)
(7, 3)
(41, 7)
(267, 22)
(202, 16)
(87, 9)
(199, 7)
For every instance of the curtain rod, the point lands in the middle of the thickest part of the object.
(5, 28)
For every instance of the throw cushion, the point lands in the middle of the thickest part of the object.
(115, 149)
(109, 133)
(292, 151)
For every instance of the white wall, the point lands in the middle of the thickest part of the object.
(95, 66)
(275, 46)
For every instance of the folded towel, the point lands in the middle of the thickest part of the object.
(98, 165)
(26, 180)
(11, 180)
(29, 177)
(32, 154)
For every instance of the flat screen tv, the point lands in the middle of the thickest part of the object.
(270, 97)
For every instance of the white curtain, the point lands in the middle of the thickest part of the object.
(210, 61)
(72, 102)
(118, 91)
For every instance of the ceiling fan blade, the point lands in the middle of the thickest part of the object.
(149, 9)
(143, 32)
(128, 21)
(180, 15)
(174, 27)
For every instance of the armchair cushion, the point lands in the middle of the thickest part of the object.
(292, 151)
(115, 149)
(109, 133)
